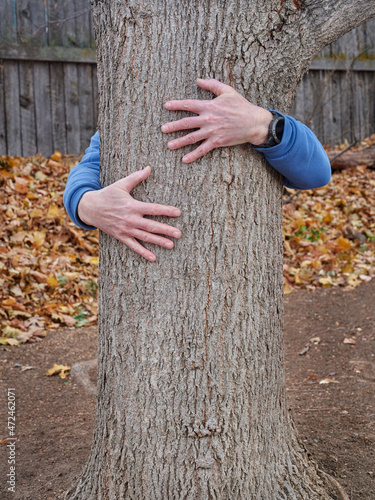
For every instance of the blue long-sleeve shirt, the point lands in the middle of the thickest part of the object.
(299, 157)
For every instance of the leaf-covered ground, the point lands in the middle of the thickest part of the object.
(49, 267)
(329, 233)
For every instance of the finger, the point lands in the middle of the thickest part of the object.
(204, 148)
(135, 178)
(152, 226)
(156, 209)
(193, 105)
(134, 245)
(192, 138)
(184, 124)
(213, 86)
(152, 238)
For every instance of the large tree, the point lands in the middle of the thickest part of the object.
(191, 392)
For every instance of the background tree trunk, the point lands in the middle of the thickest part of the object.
(191, 398)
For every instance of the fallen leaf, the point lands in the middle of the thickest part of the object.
(329, 381)
(325, 281)
(61, 369)
(304, 350)
(10, 341)
(21, 185)
(52, 281)
(53, 210)
(24, 336)
(68, 320)
(40, 176)
(315, 340)
(56, 156)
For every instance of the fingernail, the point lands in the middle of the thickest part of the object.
(171, 144)
(176, 212)
(185, 158)
(176, 234)
(167, 104)
(164, 128)
(169, 244)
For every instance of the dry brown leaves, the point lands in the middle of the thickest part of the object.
(329, 233)
(49, 267)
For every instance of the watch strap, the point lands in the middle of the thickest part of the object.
(275, 131)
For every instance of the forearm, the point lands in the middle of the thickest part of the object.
(299, 157)
(83, 178)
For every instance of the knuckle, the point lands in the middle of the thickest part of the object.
(128, 223)
(191, 138)
(152, 228)
(131, 206)
(154, 210)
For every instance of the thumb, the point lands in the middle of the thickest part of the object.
(128, 183)
(213, 86)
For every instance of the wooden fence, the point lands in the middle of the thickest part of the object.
(48, 79)
(336, 98)
(48, 88)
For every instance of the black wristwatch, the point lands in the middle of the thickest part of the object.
(275, 131)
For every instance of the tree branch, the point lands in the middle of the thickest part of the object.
(328, 20)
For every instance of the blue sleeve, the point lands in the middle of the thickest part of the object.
(299, 157)
(85, 176)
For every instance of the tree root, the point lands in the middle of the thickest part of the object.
(80, 371)
(336, 484)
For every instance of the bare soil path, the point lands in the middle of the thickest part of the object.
(330, 384)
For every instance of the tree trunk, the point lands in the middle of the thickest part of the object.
(191, 393)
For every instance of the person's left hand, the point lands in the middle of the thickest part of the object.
(227, 120)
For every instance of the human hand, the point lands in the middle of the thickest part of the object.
(227, 120)
(118, 214)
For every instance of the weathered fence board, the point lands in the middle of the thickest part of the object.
(46, 53)
(43, 110)
(12, 107)
(84, 29)
(8, 22)
(27, 108)
(58, 107)
(48, 90)
(73, 142)
(337, 106)
(31, 22)
(61, 30)
(3, 140)
(86, 104)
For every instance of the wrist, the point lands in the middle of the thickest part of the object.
(84, 209)
(260, 134)
(275, 131)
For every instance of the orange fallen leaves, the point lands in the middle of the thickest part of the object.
(46, 274)
(329, 233)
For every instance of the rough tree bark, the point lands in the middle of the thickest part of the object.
(191, 397)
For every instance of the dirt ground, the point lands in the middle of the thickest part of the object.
(335, 420)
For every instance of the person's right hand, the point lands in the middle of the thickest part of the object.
(118, 214)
